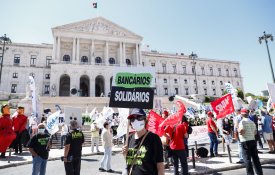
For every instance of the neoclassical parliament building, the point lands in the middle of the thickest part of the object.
(83, 54)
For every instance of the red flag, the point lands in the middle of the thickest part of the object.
(154, 120)
(223, 106)
(175, 118)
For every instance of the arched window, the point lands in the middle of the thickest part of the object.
(84, 59)
(128, 62)
(164, 80)
(98, 60)
(112, 61)
(66, 58)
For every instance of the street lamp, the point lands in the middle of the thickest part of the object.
(266, 37)
(193, 56)
(5, 40)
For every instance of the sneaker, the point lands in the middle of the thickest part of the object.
(240, 162)
(101, 169)
(110, 171)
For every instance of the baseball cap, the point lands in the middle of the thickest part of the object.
(209, 113)
(135, 112)
(165, 113)
(244, 111)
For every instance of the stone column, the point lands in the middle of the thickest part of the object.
(120, 53)
(123, 54)
(92, 51)
(137, 54)
(58, 48)
(107, 86)
(92, 86)
(77, 50)
(74, 49)
(54, 48)
(106, 53)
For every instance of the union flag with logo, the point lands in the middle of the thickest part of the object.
(223, 106)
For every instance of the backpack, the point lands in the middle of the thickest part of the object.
(189, 130)
(202, 152)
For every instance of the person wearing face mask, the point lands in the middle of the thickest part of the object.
(105, 163)
(144, 152)
(39, 147)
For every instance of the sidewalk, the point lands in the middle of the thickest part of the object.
(203, 165)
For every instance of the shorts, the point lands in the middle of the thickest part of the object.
(268, 136)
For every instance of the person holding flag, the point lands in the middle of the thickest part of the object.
(143, 152)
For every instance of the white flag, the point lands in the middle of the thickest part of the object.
(122, 127)
(52, 122)
(231, 90)
(33, 95)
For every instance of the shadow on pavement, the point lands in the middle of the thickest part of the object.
(89, 160)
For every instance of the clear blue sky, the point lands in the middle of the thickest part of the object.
(217, 29)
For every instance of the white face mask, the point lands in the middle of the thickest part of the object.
(41, 131)
(138, 125)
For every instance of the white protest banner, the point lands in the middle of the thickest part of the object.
(186, 100)
(199, 134)
(52, 122)
(73, 113)
(92, 114)
(123, 121)
(132, 87)
(271, 90)
(33, 95)
(231, 90)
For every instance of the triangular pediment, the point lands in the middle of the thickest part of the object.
(100, 26)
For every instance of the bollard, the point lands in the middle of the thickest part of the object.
(223, 147)
(193, 158)
(229, 153)
(9, 156)
(196, 146)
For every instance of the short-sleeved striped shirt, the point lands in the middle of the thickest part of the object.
(249, 128)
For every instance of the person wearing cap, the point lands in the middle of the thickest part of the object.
(19, 125)
(237, 120)
(73, 149)
(39, 148)
(148, 159)
(107, 137)
(268, 131)
(247, 131)
(213, 134)
(94, 136)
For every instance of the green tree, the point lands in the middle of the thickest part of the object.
(240, 93)
(249, 94)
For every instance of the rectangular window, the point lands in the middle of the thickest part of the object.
(235, 72)
(211, 71)
(186, 91)
(176, 81)
(33, 60)
(221, 82)
(227, 72)
(153, 64)
(205, 91)
(48, 61)
(15, 75)
(204, 82)
(47, 76)
(16, 59)
(185, 81)
(176, 91)
(165, 91)
(202, 71)
(213, 82)
(220, 71)
(174, 69)
(214, 91)
(164, 68)
(13, 88)
(143, 64)
(193, 69)
(184, 69)
(47, 89)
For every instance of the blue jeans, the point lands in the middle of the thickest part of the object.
(39, 166)
(105, 162)
(240, 150)
(213, 143)
(180, 154)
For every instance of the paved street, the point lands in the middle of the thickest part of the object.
(268, 169)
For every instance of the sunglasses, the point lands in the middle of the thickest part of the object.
(138, 118)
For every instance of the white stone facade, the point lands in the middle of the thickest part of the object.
(84, 54)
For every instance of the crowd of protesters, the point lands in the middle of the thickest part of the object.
(244, 126)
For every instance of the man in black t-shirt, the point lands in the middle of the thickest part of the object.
(39, 147)
(73, 148)
(148, 160)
